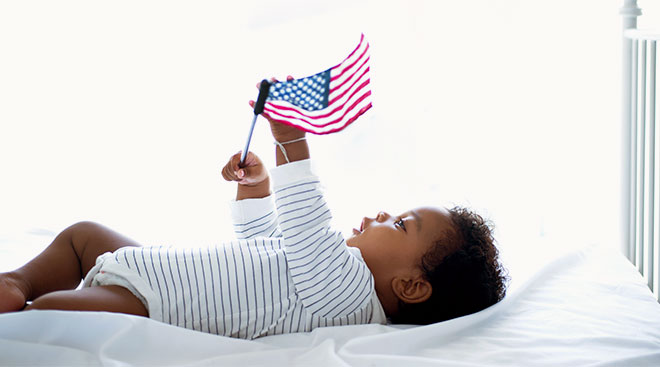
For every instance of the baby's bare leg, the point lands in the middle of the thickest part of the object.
(60, 266)
(109, 298)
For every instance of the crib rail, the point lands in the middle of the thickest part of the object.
(643, 155)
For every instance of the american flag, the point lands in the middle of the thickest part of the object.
(326, 102)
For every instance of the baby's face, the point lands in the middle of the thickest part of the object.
(394, 245)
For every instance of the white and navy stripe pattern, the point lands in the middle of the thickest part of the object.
(329, 280)
(288, 272)
(263, 226)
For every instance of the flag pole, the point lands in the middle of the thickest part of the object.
(264, 87)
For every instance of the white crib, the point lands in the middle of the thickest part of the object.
(641, 193)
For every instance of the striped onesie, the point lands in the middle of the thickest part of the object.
(287, 272)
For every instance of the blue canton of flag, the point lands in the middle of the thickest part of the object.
(326, 102)
(310, 93)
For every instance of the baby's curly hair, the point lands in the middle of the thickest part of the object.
(463, 269)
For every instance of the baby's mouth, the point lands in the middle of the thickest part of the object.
(359, 231)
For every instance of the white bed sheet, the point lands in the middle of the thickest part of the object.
(588, 307)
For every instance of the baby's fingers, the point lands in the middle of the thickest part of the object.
(231, 171)
(229, 174)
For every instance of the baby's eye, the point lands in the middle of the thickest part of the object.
(400, 224)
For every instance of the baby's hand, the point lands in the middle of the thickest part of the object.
(281, 132)
(252, 173)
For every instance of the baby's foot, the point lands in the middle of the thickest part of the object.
(12, 297)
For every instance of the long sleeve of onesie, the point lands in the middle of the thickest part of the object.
(254, 218)
(330, 281)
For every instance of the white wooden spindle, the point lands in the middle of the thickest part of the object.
(651, 221)
(656, 188)
(629, 13)
(641, 163)
(632, 154)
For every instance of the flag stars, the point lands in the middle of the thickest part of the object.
(308, 93)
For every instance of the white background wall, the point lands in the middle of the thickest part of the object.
(124, 112)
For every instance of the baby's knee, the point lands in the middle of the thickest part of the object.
(83, 227)
(79, 232)
(82, 233)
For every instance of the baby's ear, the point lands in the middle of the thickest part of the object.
(412, 290)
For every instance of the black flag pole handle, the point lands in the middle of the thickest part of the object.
(264, 87)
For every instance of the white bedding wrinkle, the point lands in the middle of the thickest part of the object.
(586, 308)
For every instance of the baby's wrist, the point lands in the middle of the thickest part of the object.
(283, 138)
(253, 190)
(282, 132)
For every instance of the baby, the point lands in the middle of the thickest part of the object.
(287, 272)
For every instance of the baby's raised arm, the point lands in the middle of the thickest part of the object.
(256, 217)
(330, 281)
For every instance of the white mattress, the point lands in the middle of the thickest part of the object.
(588, 307)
